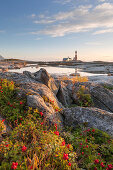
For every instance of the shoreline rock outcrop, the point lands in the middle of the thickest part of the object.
(94, 117)
(50, 96)
(43, 77)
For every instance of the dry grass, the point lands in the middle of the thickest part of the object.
(74, 79)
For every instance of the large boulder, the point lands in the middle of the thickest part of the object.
(95, 118)
(102, 97)
(29, 74)
(36, 101)
(63, 95)
(42, 90)
(45, 78)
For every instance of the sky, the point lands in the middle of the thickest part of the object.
(49, 30)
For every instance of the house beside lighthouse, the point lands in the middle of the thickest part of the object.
(67, 59)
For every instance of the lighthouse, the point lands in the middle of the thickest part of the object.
(75, 58)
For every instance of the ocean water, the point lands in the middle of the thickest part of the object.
(55, 70)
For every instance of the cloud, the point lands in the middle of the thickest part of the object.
(101, 0)
(44, 21)
(38, 38)
(33, 15)
(63, 2)
(103, 31)
(2, 31)
(93, 43)
(64, 16)
(80, 19)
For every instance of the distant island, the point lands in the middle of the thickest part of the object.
(1, 58)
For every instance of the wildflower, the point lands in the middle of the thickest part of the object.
(3, 120)
(69, 164)
(21, 103)
(88, 130)
(1, 91)
(80, 143)
(93, 130)
(96, 161)
(24, 148)
(82, 153)
(102, 165)
(41, 113)
(21, 118)
(63, 143)
(56, 132)
(0, 87)
(65, 157)
(56, 110)
(86, 146)
(14, 165)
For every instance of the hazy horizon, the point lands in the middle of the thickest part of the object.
(53, 29)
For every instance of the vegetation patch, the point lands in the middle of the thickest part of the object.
(109, 87)
(93, 147)
(83, 97)
(36, 144)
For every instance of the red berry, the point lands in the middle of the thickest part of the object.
(24, 148)
(95, 168)
(93, 130)
(56, 132)
(102, 165)
(69, 164)
(68, 145)
(96, 161)
(65, 157)
(41, 113)
(63, 143)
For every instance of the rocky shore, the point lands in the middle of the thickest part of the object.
(95, 106)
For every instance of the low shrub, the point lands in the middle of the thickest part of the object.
(94, 148)
(83, 97)
(34, 143)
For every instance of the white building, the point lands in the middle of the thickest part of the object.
(67, 59)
